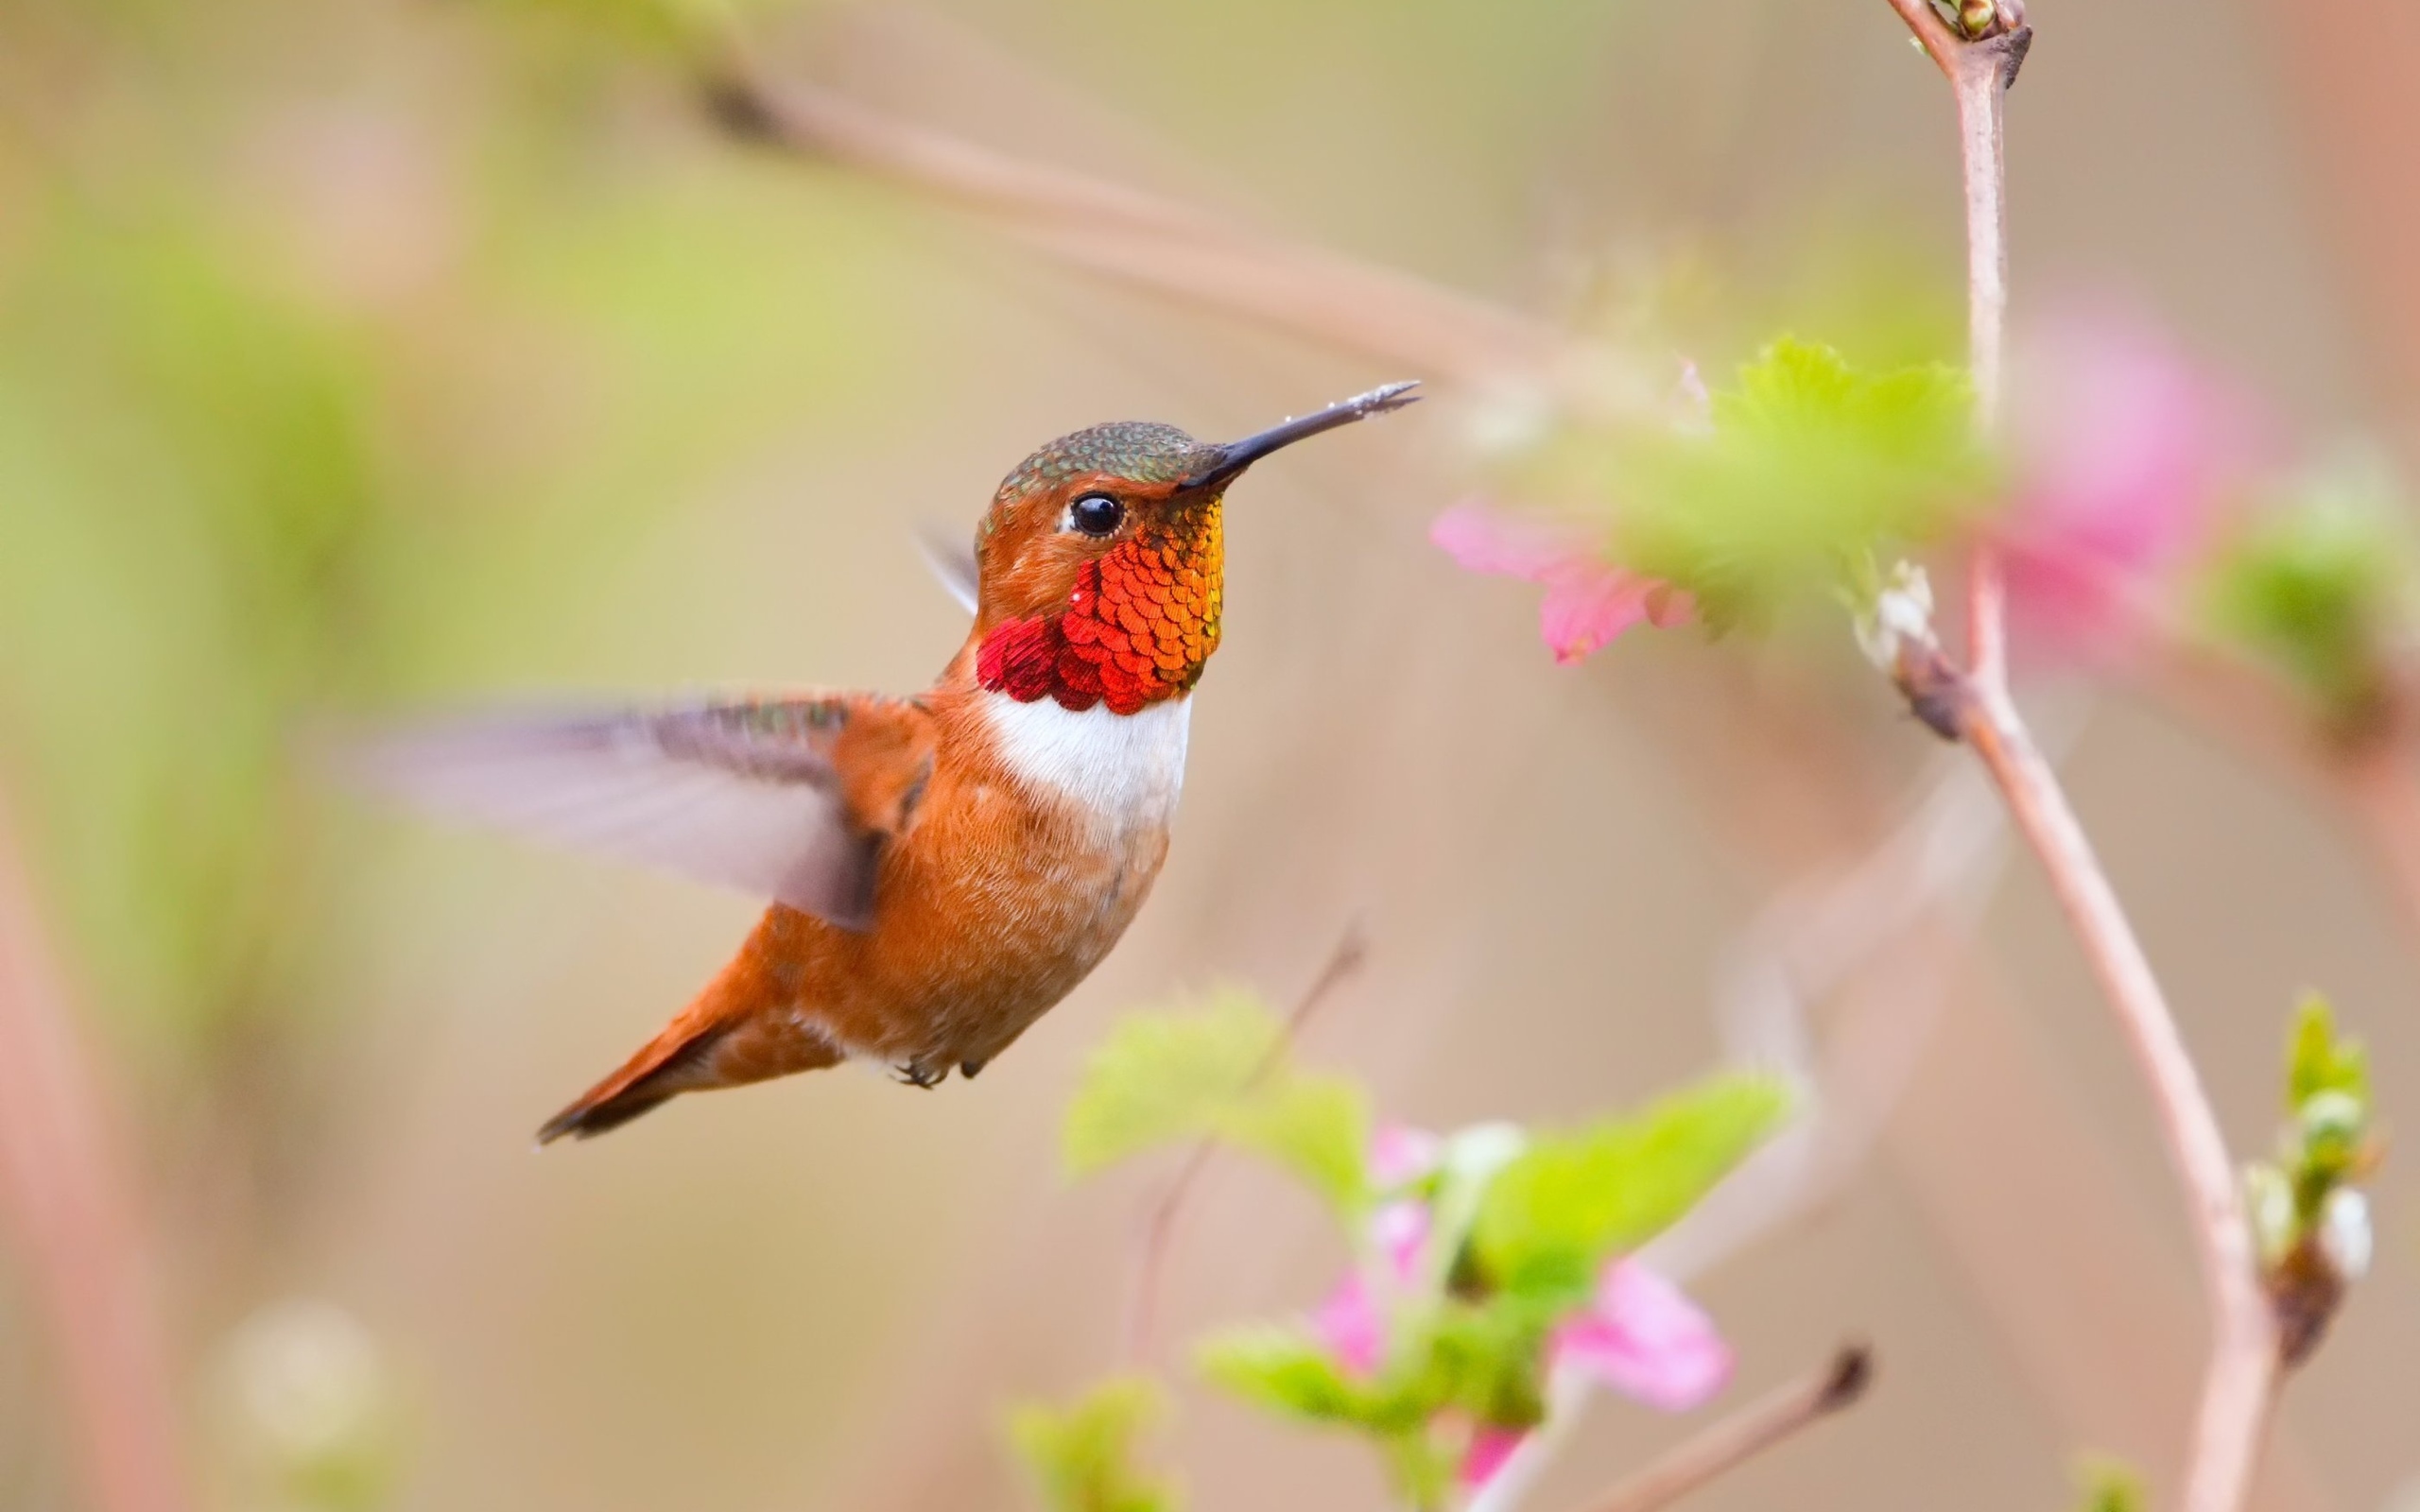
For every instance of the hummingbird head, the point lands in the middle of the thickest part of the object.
(1102, 559)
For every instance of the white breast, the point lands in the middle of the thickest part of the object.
(1127, 770)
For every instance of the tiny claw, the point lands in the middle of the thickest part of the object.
(916, 1073)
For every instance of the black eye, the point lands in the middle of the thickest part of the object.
(1095, 514)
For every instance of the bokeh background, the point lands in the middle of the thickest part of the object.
(380, 355)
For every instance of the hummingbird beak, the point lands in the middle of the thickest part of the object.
(1236, 456)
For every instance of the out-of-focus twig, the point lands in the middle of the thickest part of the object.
(65, 1194)
(1938, 865)
(1170, 247)
(1746, 1434)
(1159, 1227)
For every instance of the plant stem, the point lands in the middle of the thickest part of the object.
(65, 1190)
(1979, 74)
(2243, 1370)
(1743, 1435)
(2239, 1382)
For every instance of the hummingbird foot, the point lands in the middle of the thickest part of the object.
(917, 1073)
(968, 1068)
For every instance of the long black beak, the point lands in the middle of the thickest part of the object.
(1236, 456)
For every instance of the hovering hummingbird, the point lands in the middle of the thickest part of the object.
(944, 867)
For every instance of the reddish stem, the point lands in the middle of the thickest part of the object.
(1743, 1435)
(2242, 1370)
(2240, 1379)
(64, 1191)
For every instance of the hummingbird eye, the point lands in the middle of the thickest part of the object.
(1097, 514)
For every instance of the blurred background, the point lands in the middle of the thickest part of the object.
(376, 355)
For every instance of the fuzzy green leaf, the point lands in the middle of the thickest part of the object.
(1220, 1072)
(1489, 1358)
(2316, 590)
(1811, 465)
(1082, 1457)
(1286, 1371)
(1569, 1203)
(2320, 1060)
(1421, 1469)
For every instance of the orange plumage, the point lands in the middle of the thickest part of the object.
(946, 867)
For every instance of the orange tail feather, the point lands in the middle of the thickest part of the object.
(738, 1030)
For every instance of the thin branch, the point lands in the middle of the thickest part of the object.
(2242, 1369)
(1159, 1227)
(1170, 248)
(1940, 43)
(1743, 1435)
(2241, 1375)
(64, 1191)
(1980, 74)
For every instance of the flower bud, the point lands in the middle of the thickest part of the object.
(2268, 1203)
(1901, 611)
(2332, 1124)
(2345, 1237)
(1477, 1153)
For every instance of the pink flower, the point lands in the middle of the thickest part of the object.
(1401, 1155)
(1353, 1321)
(1490, 1449)
(1639, 1336)
(1353, 1327)
(2124, 455)
(1637, 1333)
(1642, 1337)
(1588, 600)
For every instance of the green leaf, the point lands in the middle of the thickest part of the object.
(2318, 1061)
(2317, 589)
(1316, 1127)
(1287, 1371)
(1220, 1072)
(1083, 1457)
(1569, 1203)
(1421, 1467)
(1488, 1359)
(1809, 465)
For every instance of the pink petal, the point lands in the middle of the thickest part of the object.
(1400, 1155)
(1587, 604)
(1588, 600)
(2125, 455)
(1642, 1337)
(1352, 1328)
(1490, 1446)
(1484, 539)
(1399, 1229)
(1667, 606)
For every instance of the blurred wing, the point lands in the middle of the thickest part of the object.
(754, 795)
(947, 555)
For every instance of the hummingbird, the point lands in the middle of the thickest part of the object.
(940, 868)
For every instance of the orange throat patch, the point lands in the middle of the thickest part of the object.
(1138, 628)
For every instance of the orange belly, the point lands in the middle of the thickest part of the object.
(1013, 882)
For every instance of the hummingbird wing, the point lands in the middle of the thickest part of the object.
(790, 797)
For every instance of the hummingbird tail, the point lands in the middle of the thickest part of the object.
(743, 1027)
(669, 1064)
